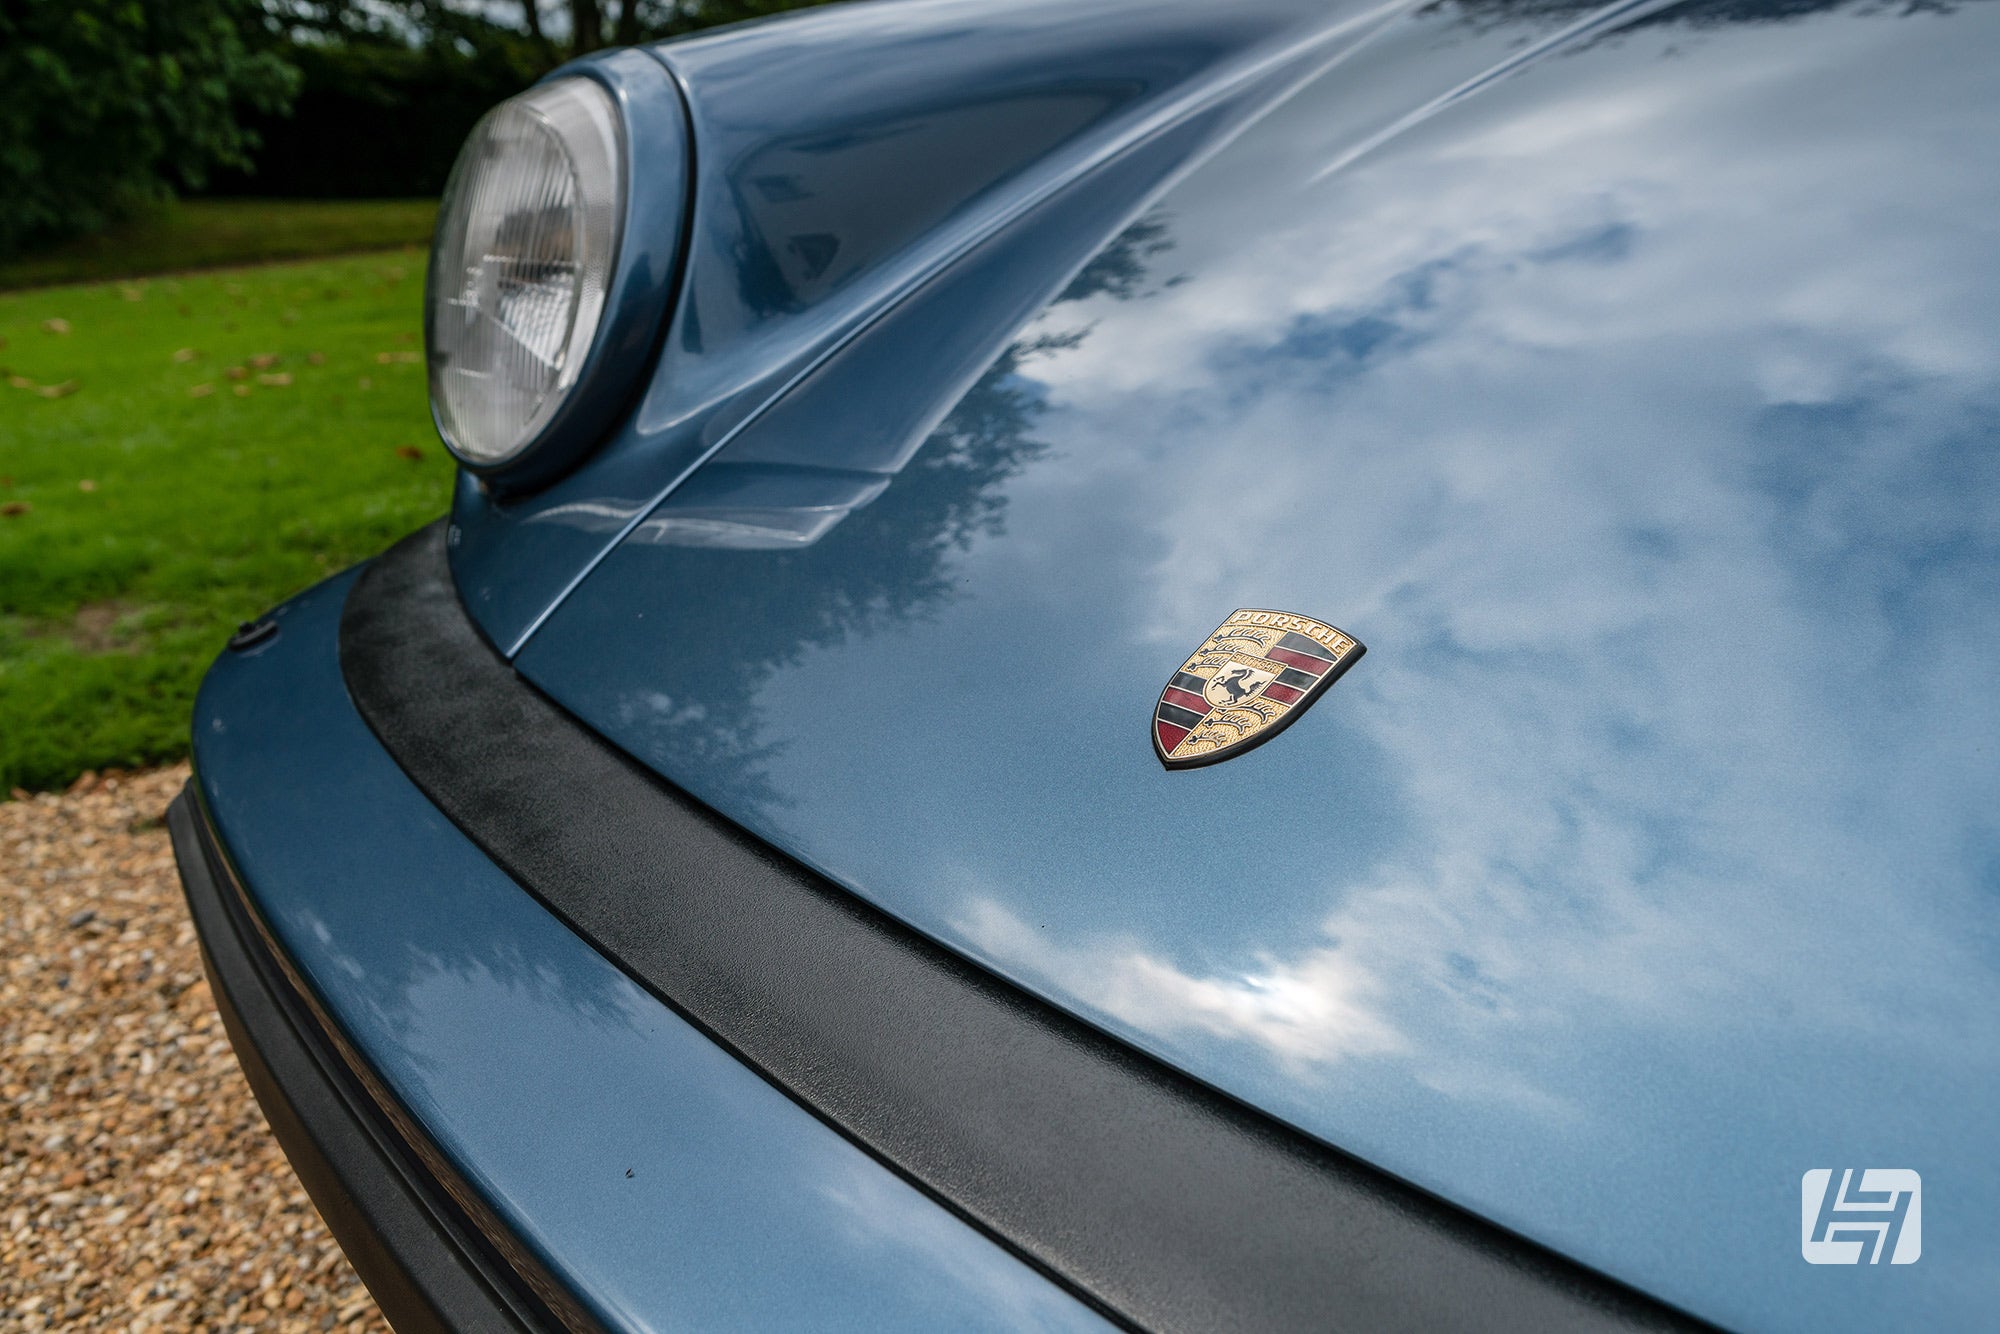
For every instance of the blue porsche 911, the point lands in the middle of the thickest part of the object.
(1241, 665)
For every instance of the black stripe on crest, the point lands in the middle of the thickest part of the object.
(1300, 644)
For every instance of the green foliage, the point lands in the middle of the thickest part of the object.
(109, 104)
(392, 88)
(209, 233)
(108, 107)
(377, 118)
(678, 17)
(146, 507)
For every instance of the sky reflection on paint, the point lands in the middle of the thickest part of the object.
(1640, 415)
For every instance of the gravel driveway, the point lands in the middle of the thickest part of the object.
(139, 1185)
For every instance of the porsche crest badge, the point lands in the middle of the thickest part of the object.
(1257, 672)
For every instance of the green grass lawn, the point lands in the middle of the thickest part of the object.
(188, 452)
(204, 233)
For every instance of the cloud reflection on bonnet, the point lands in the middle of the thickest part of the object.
(1662, 480)
(1639, 414)
(1701, 558)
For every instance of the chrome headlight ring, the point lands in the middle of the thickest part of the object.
(553, 263)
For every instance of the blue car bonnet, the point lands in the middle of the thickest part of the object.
(1638, 410)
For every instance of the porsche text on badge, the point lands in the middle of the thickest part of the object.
(1256, 673)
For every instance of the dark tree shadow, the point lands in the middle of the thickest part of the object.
(887, 563)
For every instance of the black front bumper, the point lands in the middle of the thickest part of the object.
(423, 1260)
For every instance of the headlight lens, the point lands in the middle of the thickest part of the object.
(527, 237)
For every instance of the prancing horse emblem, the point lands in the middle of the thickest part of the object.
(1256, 673)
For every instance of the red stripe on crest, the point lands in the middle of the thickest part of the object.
(1186, 700)
(1305, 662)
(1283, 694)
(1170, 736)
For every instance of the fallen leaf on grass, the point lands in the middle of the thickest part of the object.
(200, 390)
(63, 390)
(392, 358)
(276, 378)
(14, 508)
(263, 361)
(410, 452)
(315, 358)
(186, 354)
(20, 382)
(241, 391)
(86, 485)
(56, 326)
(238, 372)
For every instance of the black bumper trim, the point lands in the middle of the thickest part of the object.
(1154, 1197)
(422, 1259)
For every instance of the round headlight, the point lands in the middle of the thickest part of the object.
(526, 243)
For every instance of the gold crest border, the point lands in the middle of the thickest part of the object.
(1348, 649)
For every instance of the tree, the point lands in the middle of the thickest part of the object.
(391, 87)
(586, 26)
(111, 104)
(633, 21)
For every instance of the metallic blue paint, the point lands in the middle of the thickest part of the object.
(657, 189)
(657, 1176)
(1640, 410)
(826, 192)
